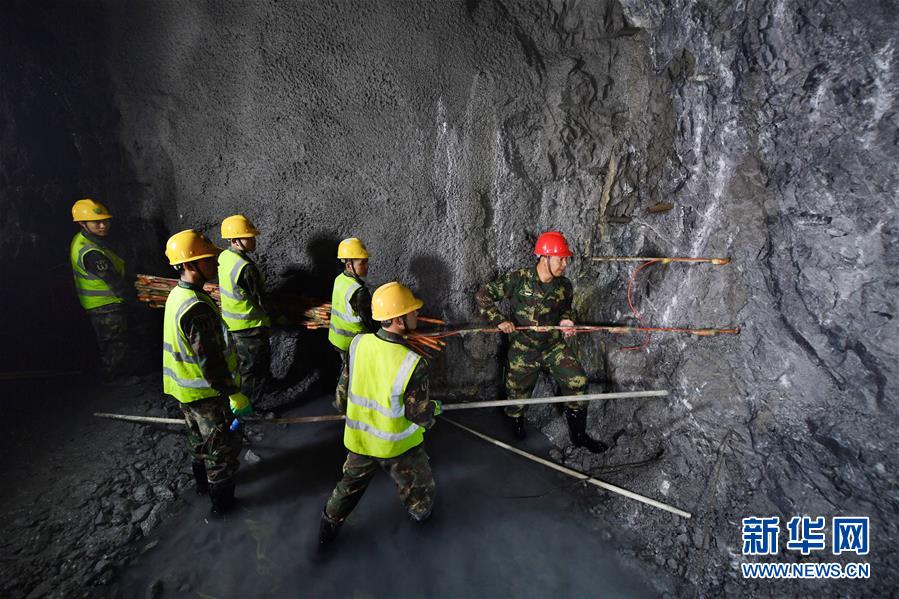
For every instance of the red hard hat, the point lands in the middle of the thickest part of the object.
(552, 243)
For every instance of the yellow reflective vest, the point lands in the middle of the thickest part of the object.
(376, 424)
(239, 311)
(345, 323)
(182, 377)
(93, 292)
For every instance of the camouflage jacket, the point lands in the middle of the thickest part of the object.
(531, 303)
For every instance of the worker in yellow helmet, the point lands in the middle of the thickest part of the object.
(102, 289)
(383, 390)
(244, 309)
(200, 370)
(350, 298)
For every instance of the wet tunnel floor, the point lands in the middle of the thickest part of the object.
(501, 527)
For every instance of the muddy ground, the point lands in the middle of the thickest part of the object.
(95, 507)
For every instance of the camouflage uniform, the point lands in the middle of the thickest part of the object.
(110, 322)
(411, 471)
(209, 437)
(254, 358)
(533, 303)
(254, 354)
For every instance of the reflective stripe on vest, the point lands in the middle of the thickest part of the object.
(182, 377)
(93, 292)
(345, 323)
(376, 424)
(239, 311)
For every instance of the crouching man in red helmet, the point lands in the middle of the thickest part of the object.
(540, 296)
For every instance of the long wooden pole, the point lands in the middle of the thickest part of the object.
(155, 420)
(574, 473)
(447, 407)
(129, 418)
(543, 400)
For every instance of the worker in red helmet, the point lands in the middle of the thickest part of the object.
(540, 296)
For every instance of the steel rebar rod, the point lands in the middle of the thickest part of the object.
(574, 473)
(548, 400)
(617, 329)
(663, 260)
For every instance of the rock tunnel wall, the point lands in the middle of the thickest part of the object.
(448, 134)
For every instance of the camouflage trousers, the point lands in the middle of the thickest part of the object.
(410, 471)
(557, 360)
(254, 359)
(210, 438)
(111, 328)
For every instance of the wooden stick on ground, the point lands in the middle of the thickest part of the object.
(155, 420)
(573, 473)
(149, 419)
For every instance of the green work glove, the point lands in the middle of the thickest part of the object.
(438, 408)
(240, 404)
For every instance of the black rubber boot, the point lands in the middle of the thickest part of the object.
(516, 424)
(577, 429)
(328, 529)
(199, 468)
(221, 494)
(421, 517)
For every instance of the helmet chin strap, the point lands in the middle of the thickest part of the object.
(549, 268)
(240, 244)
(353, 267)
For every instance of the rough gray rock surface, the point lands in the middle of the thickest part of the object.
(448, 134)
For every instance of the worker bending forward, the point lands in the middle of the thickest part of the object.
(383, 390)
(102, 289)
(242, 290)
(200, 370)
(350, 298)
(537, 296)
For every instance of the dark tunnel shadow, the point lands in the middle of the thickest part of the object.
(314, 356)
(430, 281)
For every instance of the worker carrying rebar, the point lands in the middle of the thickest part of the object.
(199, 369)
(383, 391)
(350, 298)
(103, 289)
(244, 309)
(537, 296)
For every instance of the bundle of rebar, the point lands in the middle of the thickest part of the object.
(155, 290)
(297, 310)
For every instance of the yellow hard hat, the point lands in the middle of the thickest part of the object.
(351, 248)
(393, 299)
(88, 209)
(188, 246)
(238, 227)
